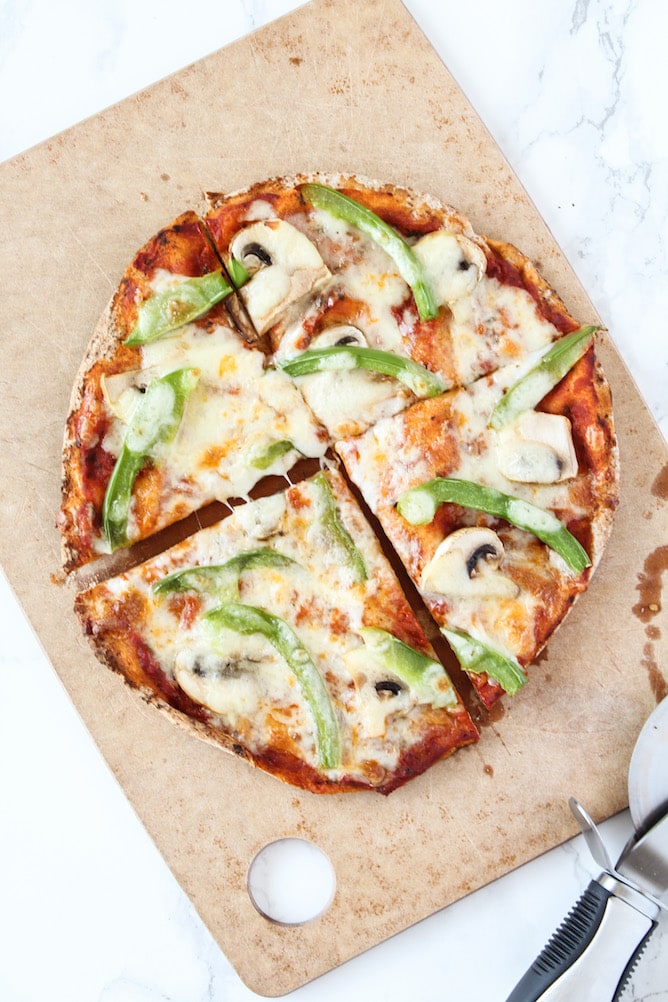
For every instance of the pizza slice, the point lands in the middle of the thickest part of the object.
(499, 499)
(372, 296)
(172, 409)
(282, 635)
(465, 403)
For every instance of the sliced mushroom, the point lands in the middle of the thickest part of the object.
(231, 696)
(453, 264)
(380, 693)
(346, 401)
(226, 683)
(122, 390)
(537, 449)
(283, 264)
(341, 334)
(387, 687)
(295, 339)
(466, 564)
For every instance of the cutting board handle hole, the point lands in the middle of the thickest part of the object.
(291, 881)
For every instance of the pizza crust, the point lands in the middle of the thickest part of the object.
(386, 738)
(195, 244)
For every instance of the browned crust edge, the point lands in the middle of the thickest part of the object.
(105, 341)
(113, 649)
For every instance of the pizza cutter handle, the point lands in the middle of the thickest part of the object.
(592, 953)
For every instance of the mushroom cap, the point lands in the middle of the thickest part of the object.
(466, 563)
(537, 449)
(226, 679)
(283, 264)
(122, 390)
(454, 264)
(380, 693)
(277, 240)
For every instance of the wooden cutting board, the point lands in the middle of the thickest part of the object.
(74, 211)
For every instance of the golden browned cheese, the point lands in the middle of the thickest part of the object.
(395, 444)
(136, 633)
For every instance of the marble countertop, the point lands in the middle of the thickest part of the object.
(572, 91)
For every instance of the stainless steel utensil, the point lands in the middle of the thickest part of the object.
(592, 955)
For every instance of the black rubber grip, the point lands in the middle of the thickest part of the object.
(568, 943)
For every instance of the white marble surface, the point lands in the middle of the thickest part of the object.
(574, 93)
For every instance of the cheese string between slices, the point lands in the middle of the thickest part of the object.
(325, 700)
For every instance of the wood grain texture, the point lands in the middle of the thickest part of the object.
(365, 93)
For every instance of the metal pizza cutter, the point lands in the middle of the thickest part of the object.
(592, 954)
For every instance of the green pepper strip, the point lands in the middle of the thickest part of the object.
(424, 676)
(476, 657)
(416, 377)
(266, 457)
(167, 311)
(342, 207)
(418, 506)
(543, 377)
(222, 579)
(247, 619)
(332, 523)
(155, 420)
(238, 274)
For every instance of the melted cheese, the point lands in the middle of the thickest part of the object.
(240, 408)
(363, 272)
(243, 680)
(492, 324)
(237, 410)
(493, 327)
(347, 402)
(385, 462)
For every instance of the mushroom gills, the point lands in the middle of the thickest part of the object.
(387, 687)
(453, 264)
(340, 334)
(467, 563)
(537, 449)
(283, 265)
